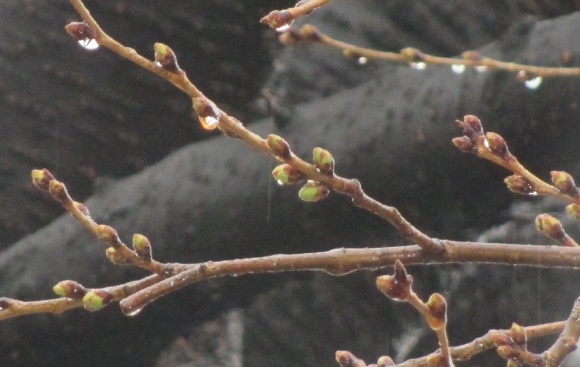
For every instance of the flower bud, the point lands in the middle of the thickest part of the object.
(464, 144)
(412, 55)
(309, 33)
(398, 285)
(41, 178)
(518, 335)
(97, 299)
(165, 57)
(550, 226)
(70, 289)
(278, 20)
(574, 210)
(499, 339)
(313, 191)
(564, 182)
(116, 257)
(286, 174)
(347, 359)
(58, 191)
(207, 111)
(82, 208)
(279, 147)
(80, 31)
(519, 185)
(507, 352)
(323, 160)
(385, 361)
(498, 145)
(108, 234)
(142, 246)
(437, 316)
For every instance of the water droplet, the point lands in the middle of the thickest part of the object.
(131, 311)
(280, 183)
(458, 68)
(284, 27)
(209, 122)
(533, 83)
(418, 65)
(158, 64)
(481, 68)
(89, 44)
(362, 60)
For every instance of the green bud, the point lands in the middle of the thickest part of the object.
(287, 174)
(385, 361)
(108, 234)
(279, 147)
(564, 182)
(142, 246)
(550, 226)
(398, 285)
(412, 54)
(313, 191)
(518, 335)
(41, 178)
(165, 57)
(115, 257)
(519, 185)
(97, 299)
(323, 160)
(69, 289)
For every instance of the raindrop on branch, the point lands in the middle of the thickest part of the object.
(458, 68)
(418, 65)
(89, 44)
(362, 60)
(533, 83)
(284, 27)
(481, 68)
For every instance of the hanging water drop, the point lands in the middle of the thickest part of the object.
(280, 183)
(418, 65)
(284, 27)
(208, 122)
(481, 68)
(89, 44)
(458, 68)
(362, 60)
(131, 310)
(533, 83)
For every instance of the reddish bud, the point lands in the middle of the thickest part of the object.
(165, 57)
(286, 174)
(499, 339)
(70, 289)
(116, 257)
(564, 182)
(279, 147)
(464, 144)
(313, 191)
(278, 20)
(498, 145)
(82, 208)
(550, 226)
(385, 361)
(398, 285)
(412, 55)
(323, 160)
(207, 111)
(58, 191)
(80, 31)
(471, 55)
(97, 299)
(518, 335)
(437, 317)
(507, 352)
(347, 359)
(519, 185)
(142, 246)
(108, 234)
(41, 178)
